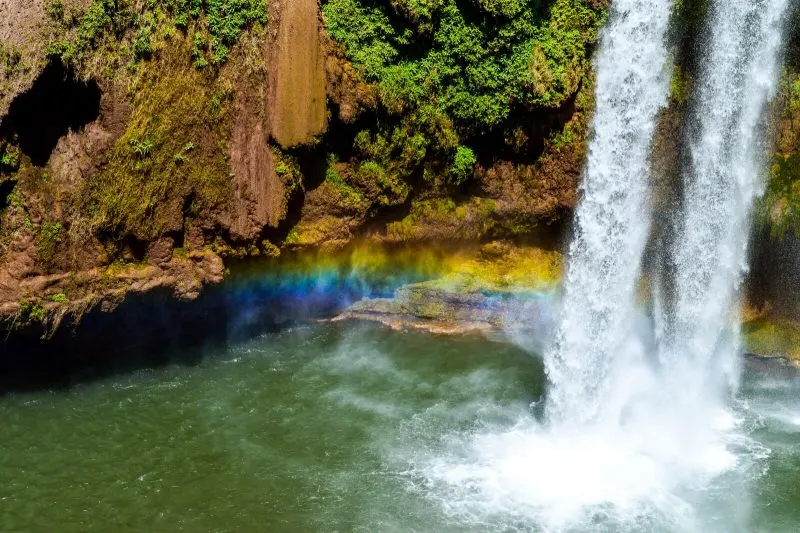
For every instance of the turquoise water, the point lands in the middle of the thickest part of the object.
(329, 427)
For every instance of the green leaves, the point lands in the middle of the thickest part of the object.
(93, 25)
(224, 20)
(450, 71)
(219, 26)
(227, 19)
(9, 158)
(463, 165)
(476, 67)
(367, 32)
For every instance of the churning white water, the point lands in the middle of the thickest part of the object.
(639, 435)
(723, 178)
(613, 218)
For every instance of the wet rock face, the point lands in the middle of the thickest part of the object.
(289, 142)
(21, 22)
(257, 189)
(64, 123)
(157, 157)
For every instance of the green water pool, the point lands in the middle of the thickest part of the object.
(331, 428)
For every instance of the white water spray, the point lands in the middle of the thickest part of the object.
(724, 177)
(613, 219)
(638, 436)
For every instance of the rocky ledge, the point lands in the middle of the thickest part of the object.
(486, 291)
(513, 290)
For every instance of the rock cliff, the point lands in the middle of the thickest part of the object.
(144, 144)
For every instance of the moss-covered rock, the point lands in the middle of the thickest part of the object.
(133, 101)
(235, 128)
(495, 287)
(772, 337)
(174, 150)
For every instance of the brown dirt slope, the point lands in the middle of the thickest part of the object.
(299, 109)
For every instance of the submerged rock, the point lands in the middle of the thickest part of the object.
(451, 310)
(502, 288)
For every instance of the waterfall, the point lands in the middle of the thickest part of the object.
(637, 434)
(721, 180)
(613, 218)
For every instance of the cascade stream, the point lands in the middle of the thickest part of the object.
(601, 342)
(722, 179)
(613, 218)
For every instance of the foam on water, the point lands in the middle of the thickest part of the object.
(640, 432)
(647, 473)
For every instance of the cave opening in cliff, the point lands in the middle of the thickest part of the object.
(56, 103)
(6, 187)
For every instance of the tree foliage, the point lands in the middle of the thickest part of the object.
(475, 62)
(450, 71)
(219, 25)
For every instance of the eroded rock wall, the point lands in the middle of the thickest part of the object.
(288, 124)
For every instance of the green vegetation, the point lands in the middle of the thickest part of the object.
(335, 179)
(448, 74)
(331, 173)
(390, 189)
(217, 25)
(173, 150)
(10, 60)
(15, 200)
(47, 240)
(772, 337)
(226, 21)
(32, 311)
(780, 207)
(782, 202)
(463, 164)
(288, 169)
(475, 62)
(681, 86)
(11, 63)
(102, 18)
(222, 21)
(563, 137)
(9, 158)
(445, 219)
(688, 17)
(59, 298)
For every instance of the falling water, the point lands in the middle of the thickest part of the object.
(613, 219)
(637, 437)
(723, 178)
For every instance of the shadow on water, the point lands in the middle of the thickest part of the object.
(153, 330)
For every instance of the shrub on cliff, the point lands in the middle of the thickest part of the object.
(219, 25)
(475, 62)
(449, 72)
